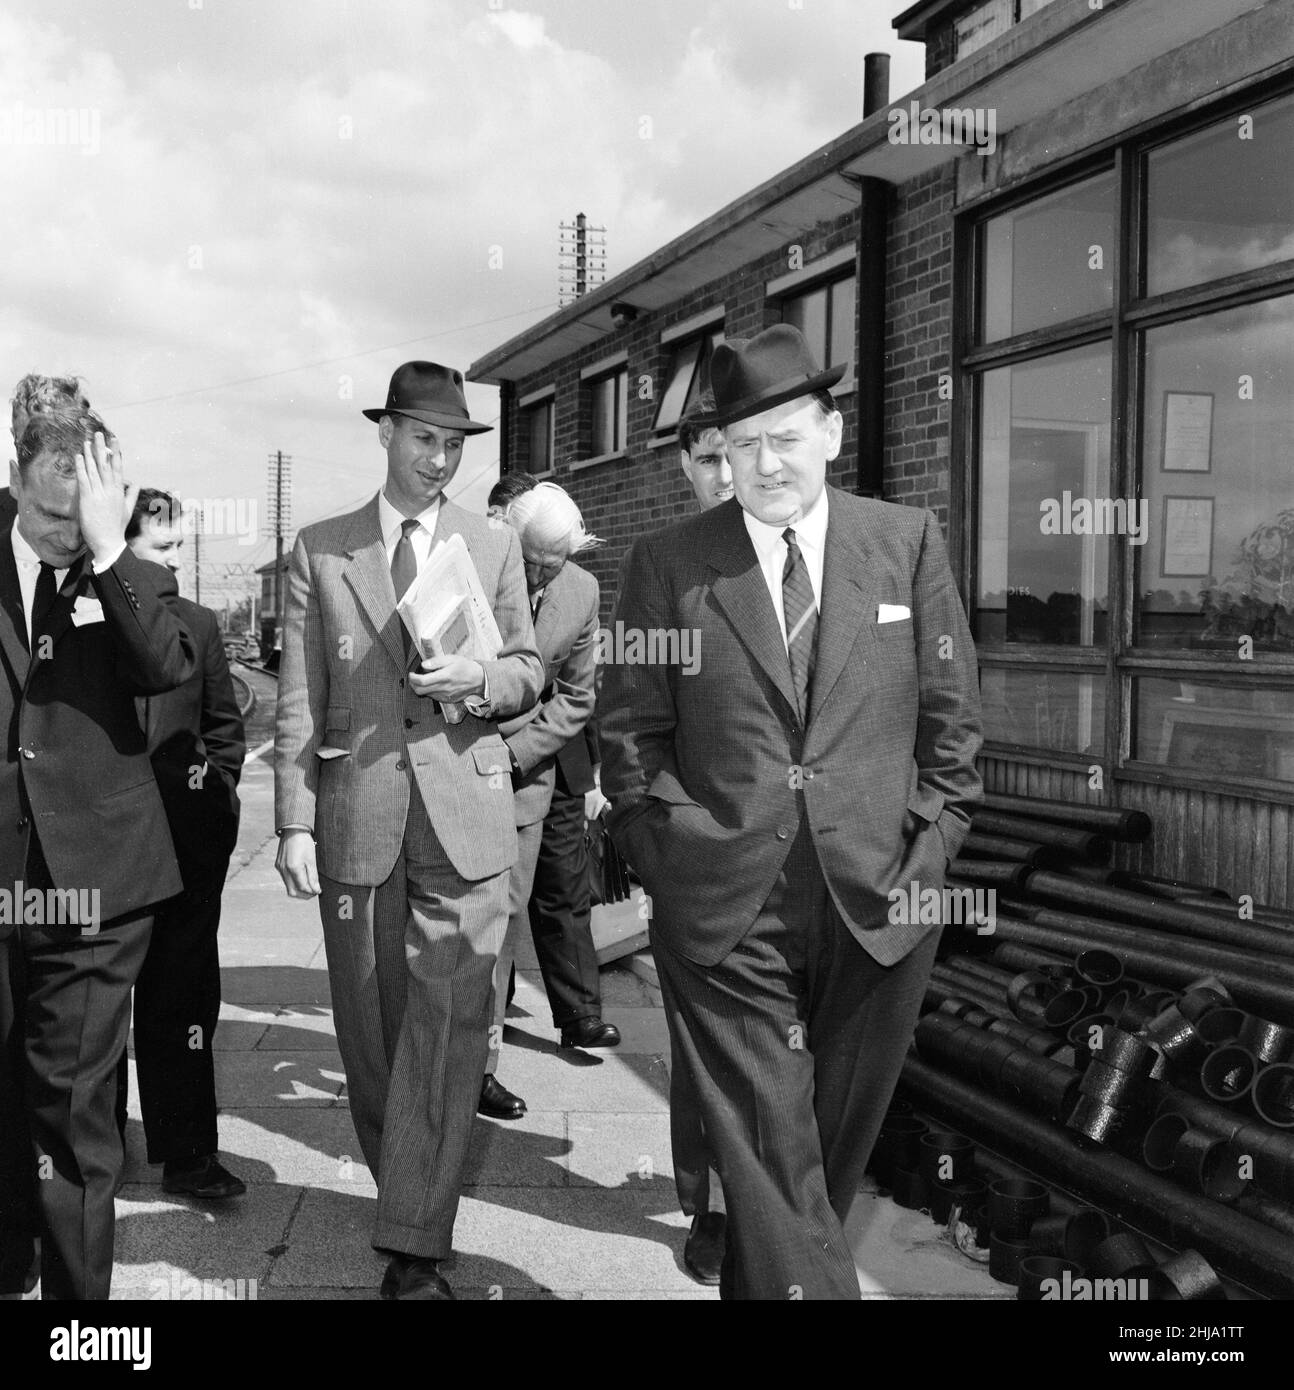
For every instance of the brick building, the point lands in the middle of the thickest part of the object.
(1062, 271)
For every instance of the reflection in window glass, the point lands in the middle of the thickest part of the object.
(610, 396)
(1221, 201)
(1218, 468)
(1048, 261)
(539, 434)
(1045, 515)
(1227, 731)
(1044, 709)
(825, 315)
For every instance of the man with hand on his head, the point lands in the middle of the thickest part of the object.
(85, 628)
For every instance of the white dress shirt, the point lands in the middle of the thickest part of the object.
(28, 563)
(770, 550)
(392, 523)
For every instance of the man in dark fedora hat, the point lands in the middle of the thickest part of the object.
(399, 821)
(820, 759)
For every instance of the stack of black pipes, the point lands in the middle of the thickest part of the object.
(1128, 1038)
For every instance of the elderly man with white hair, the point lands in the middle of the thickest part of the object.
(548, 749)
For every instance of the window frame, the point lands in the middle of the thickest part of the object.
(1124, 327)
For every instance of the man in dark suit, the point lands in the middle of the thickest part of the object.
(85, 627)
(819, 755)
(564, 609)
(196, 744)
(703, 453)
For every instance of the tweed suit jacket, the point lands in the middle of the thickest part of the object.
(349, 727)
(709, 773)
(566, 632)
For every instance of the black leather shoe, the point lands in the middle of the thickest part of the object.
(206, 1178)
(498, 1102)
(390, 1284)
(416, 1279)
(703, 1251)
(590, 1032)
(423, 1282)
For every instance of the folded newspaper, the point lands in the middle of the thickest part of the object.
(447, 614)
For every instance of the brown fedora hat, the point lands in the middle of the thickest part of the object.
(431, 393)
(769, 369)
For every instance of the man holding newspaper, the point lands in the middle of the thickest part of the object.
(393, 801)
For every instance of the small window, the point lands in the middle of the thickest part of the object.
(610, 401)
(825, 315)
(687, 380)
(537, 424)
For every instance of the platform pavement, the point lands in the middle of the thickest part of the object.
(575, 1201)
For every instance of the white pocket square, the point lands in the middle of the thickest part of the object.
(87, 610)
(892, 613)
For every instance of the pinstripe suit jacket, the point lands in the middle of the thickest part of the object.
(708, 774)
(566, 632)
(348, 724)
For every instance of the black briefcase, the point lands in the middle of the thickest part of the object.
(608, 873)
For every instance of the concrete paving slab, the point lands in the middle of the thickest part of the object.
(228, 1240)
(529, 1152)
(549, 1079)
(236, 1035)
(619, 1150)
(296, 1030)
(568, 1240)
(294, 1079)
(328, 1243)
(306, 1145)
(641, 1030)
(274, 984)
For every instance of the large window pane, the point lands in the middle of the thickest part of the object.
(1217, 730)
(1218, 470)
(1044, 480)
(1222, 200)
(1044, 709)
(1048, 261)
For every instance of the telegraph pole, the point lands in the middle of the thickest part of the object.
(197, 559)
(280, 491)
(585, 263)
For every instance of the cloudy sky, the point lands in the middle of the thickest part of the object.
(264, 206)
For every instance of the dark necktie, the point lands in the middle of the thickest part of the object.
(46, 592)
(404, 570)
(801, 616)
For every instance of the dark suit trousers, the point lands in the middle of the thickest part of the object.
(64, 1016)
(794, 1043)
(177, 1007)
(559, 911)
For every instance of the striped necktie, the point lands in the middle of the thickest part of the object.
(801, 618)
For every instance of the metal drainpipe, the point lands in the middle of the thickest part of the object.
(869, 272)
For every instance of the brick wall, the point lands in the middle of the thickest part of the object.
(646, 490)
(918, 343)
